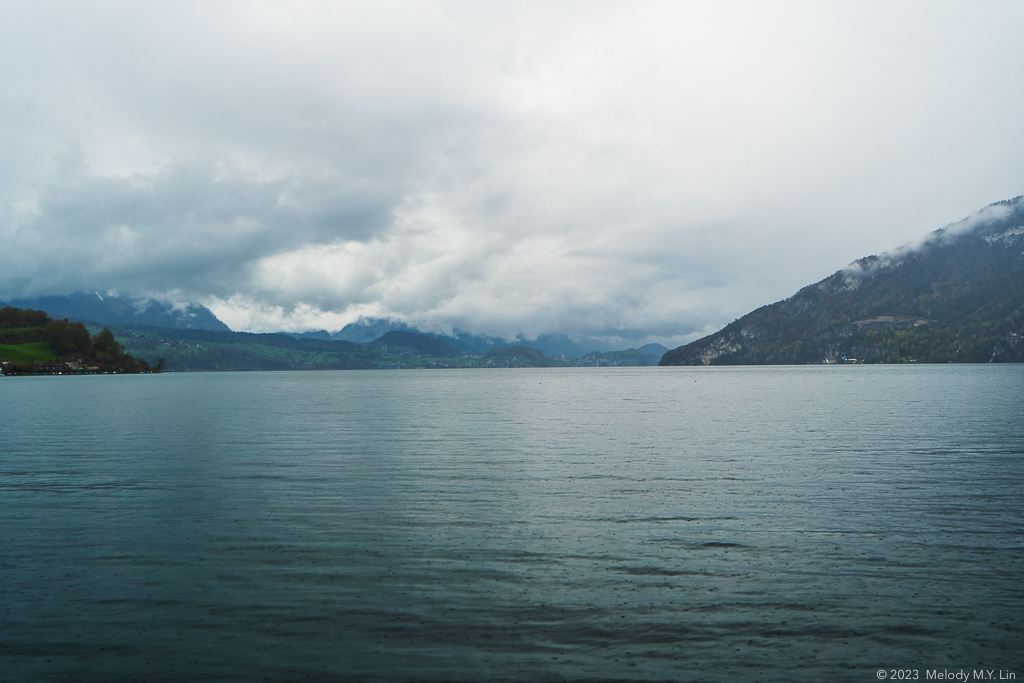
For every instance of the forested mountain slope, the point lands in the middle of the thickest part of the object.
(956, 297)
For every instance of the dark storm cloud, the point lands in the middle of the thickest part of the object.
(190, 225)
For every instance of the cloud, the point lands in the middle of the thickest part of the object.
(626, 170)
(994, 214)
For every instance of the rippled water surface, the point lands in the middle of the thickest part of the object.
(811, 523)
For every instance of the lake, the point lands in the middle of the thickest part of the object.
(771, 523)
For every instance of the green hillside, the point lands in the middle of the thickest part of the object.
(417, 344)
(32, 343)
(36, 352)
(957, 298)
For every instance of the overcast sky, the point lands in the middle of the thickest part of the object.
(649, 171)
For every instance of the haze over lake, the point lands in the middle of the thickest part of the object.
(796, 523)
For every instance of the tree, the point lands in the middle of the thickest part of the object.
(68, 338)
(22, 317)
(104, 343)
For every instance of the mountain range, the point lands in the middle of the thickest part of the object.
(958, 296)
(366, 330)
(122, 310)
(113, 308)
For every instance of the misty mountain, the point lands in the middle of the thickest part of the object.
(653, 352)
(366, 330)
(369, 330)
(956, 297)
(555, 345)
(101, 308)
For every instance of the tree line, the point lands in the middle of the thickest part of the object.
(69, 341)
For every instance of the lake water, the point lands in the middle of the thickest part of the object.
(799, 523)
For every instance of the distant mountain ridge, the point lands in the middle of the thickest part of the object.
(114, 309)
(956, 297)
(519, 357)
(185, 350)
(106, 308)
(653, 352)
(366, 330)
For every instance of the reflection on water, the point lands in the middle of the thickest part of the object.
(652, 524)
